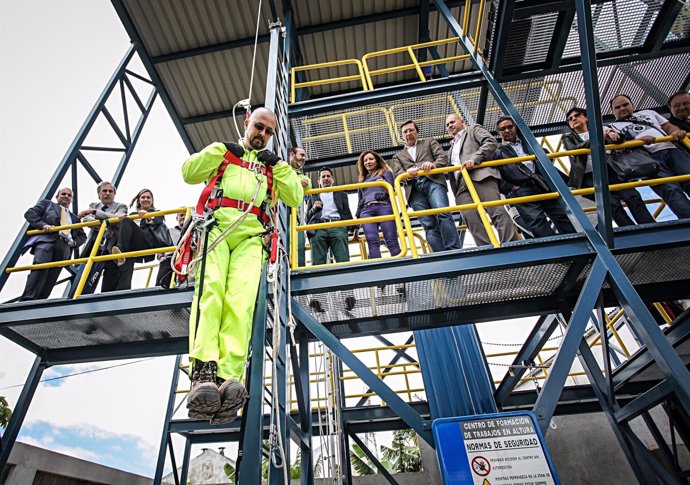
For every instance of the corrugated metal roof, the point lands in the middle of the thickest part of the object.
(202, 52)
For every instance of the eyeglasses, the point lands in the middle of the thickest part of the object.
(574, 116)
(506, 128)
(262, 127)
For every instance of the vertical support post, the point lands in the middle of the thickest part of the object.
(185, 461)
(20, 410)
(305, 414)
(596, 134)
(158, 476)
(250, 466)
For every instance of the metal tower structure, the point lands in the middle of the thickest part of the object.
(565, 280)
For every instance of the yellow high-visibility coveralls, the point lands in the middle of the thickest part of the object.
(233, 268)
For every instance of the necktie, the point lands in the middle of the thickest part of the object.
(64, 220)
(104, 208)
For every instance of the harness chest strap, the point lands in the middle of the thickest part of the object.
(231, 158)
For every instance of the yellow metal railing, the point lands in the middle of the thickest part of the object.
(416, 65)
(92, 258)
(324, 65)
(344, 223)
(477, 203)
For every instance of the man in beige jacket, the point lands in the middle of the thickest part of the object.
(470, 147)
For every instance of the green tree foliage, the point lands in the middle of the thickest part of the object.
(5, 412)
(402, 456)
(404, 452)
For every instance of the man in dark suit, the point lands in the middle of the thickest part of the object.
(52, 245)
(428, 191)
(523, 179)
(328, 207)
(470, 147)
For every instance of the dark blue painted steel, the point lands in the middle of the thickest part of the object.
(158, 476)
(558, 373)
(400, 407)
(456, 380)
(589, 73)
(10, 435)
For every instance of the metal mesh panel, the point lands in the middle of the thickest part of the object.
(420, 296)
(617, 25)
(377, 126)
(104, 330)
(546, 100)
(530, 39)
(656, 265)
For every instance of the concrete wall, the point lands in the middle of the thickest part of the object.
(27, 460)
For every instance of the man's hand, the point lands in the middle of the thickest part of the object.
(426, 166)
(234, 148)
(268, 158)
(413, 172)
(469, 164)
(318, 205)
(304, 183)
(648, 140)
(679, 134)
(47, 228)
(611, 135)
(86, 212)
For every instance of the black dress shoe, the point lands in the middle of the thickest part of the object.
(350, 303)
(316, 306)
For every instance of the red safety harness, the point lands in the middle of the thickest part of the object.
(259, 211)
(206, 202)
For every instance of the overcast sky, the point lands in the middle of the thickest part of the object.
(55, 59)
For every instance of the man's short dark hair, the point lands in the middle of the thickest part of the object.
(504, 118)
(619, 96)
(293, 150)
(675, 95)
(580, 111)
(325, 169)
(412, 122)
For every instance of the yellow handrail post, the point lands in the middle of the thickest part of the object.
(89, 262)
(479, 25)
(480, 208)
(416, 64)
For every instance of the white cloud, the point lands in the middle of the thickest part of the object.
(75, 452)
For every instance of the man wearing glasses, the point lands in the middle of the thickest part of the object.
(523, 179)
(647, 125)
(470, 147)
(227, 283)
(52, 245)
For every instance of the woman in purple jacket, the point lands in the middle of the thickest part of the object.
(374, 201)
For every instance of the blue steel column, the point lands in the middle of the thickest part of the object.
(641, 320)
(456, 379)
(20, 410)
(250, 466)
(596, 135)
(158, 477)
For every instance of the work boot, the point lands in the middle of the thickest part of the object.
(233, 395)
(204, 399)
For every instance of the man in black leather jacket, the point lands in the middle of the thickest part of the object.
(581, 171)
(523, 179)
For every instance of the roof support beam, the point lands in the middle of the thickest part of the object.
(311, 29)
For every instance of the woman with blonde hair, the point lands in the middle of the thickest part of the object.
(148, 233)
(374, 201)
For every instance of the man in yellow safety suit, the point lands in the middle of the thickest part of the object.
(222, 311)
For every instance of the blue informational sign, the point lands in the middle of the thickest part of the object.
(491, 449)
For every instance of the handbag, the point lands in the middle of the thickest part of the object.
(632, 164)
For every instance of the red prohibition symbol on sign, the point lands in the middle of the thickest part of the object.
(481, 466)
